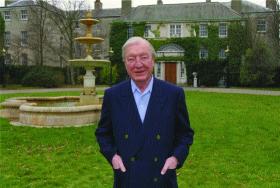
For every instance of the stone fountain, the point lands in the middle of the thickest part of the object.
(74, 111)
(89, 94)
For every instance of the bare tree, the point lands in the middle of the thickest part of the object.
(39, 29)
(65, 18)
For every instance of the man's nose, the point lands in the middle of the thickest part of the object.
(138, 62)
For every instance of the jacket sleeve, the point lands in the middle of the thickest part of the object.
(183, 132)
(104, 131)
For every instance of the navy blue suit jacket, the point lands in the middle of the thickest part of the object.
(144, 147)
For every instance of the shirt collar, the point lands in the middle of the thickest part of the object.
(148, 89)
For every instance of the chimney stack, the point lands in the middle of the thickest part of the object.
(272, 4)
(126, 7)
(236, 5)
(97, 5)
(159, 2)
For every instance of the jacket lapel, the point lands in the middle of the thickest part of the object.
(156, 103)
(128, 103)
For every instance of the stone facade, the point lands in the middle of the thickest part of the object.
(21, 35)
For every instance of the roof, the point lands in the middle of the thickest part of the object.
(211, 11)
(107, 13)
(248, 7)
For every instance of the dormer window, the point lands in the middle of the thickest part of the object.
(175, 30)
(261, 25)
(24, 15)
(7, 15)
(203, 30)
(223, 30)
(147, 29)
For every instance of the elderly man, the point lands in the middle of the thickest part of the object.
(144, 131)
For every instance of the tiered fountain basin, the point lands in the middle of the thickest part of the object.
(62, 111)
(88, 62)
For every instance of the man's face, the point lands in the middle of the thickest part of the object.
(139, 62)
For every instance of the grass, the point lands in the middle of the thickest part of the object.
(237, 141)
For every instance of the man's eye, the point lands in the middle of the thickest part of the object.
(144, 57)
(131, 60)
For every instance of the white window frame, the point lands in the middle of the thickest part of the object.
(7, 15)
(261, 27)
(203, 53)
(222, 54)
(7, 38)
(223, 30)
(24, 59)
(182, 69)
(24, 14)
(203, 30)
(24, 38)
(158, 70)
(175, 30)
(130, 31)
(147, 29)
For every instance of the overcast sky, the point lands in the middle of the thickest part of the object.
(117, 3)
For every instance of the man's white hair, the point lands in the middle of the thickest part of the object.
(135, 40)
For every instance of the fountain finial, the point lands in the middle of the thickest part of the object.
(89, 14)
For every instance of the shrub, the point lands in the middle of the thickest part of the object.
(43, 77)
(209, 72)
(258, 68)
(105, 74)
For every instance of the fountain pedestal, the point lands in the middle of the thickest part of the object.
(88, 96)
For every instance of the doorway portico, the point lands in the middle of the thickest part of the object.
(168, 67)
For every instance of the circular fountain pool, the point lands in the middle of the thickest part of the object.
(50, 111)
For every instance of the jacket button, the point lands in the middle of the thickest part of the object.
(126, 136)
(158, 136)
(155, 179)
(156, 159)
(132, 159)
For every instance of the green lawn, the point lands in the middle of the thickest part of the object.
(237, 144)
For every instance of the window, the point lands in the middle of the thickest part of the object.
(223, 30)
(97, 30)
(8, 59)
(147, 29)
(203, 31)
(203, 53)
(7, 15)
(222, 54)
(24, 38)
(7, 39)
(261, 25)
(182, 68)
(24, 59)
(24, 15)
(158, 72)
(130, 31)
(175, 30)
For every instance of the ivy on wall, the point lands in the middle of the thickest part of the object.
(236, 41)
(118, 37)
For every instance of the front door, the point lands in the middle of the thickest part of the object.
(170, 72)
